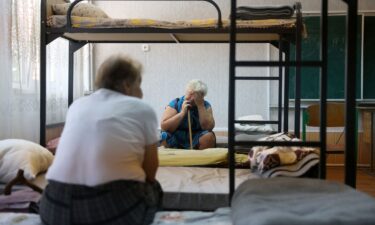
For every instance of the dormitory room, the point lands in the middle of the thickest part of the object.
(218, 112)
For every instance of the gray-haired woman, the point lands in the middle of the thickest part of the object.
(105, 164)
(175, 124)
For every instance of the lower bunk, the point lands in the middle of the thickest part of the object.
(269, 201)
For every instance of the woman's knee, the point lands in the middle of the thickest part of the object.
(207, 141)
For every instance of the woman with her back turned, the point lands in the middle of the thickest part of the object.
(105, 165)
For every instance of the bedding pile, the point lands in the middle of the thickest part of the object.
(270, 12)
(271, 161)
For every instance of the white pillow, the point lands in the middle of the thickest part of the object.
(81, 10)
(18, 154)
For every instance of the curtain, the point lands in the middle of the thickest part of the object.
(19, 75)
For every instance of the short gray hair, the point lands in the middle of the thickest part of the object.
(116, 70)
(197, 86)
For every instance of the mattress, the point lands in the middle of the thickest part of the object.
(188, 179)
(291, 201)
(189, 188)
(58, 21)
(196, 188)
(207, 157)
(222, 141)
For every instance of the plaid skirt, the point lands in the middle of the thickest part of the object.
(115, 203)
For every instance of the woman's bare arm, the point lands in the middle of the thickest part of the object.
(151, 162)
(206, 118)
(171, 119)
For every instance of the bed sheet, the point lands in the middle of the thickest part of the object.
(199, 180)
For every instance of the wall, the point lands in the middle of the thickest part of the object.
(167, 67)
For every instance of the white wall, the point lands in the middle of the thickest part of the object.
(167, 67)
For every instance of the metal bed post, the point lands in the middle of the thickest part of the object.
(286, 88)
(350, 94)
(280, 99)
(231, 100)
(297, 111)
(73, 47)
(323, 87)
(43, 71)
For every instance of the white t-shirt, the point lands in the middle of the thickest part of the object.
(104, 139)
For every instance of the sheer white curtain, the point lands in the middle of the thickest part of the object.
(19, 72)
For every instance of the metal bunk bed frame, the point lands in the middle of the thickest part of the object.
(50, 34)
(350, 76)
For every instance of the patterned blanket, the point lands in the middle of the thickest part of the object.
(263, 158)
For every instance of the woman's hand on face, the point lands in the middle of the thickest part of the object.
(198, 99)
(185, 106)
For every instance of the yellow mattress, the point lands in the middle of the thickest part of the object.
(183, 157)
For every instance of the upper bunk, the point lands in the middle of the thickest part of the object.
(130, 30)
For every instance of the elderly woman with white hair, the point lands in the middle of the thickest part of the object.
(175, 123)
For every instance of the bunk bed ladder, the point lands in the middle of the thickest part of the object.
(350, 93)
(232, 80)
(284, 46)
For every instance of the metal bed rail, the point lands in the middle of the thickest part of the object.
(219, 17)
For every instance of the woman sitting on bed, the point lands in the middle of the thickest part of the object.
(175, 123)
(105, 164)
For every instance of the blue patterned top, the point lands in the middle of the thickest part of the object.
(194, 115)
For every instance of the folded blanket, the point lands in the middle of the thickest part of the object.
(256, 13)
(20, 201)
(263, 158)
(295, 170)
